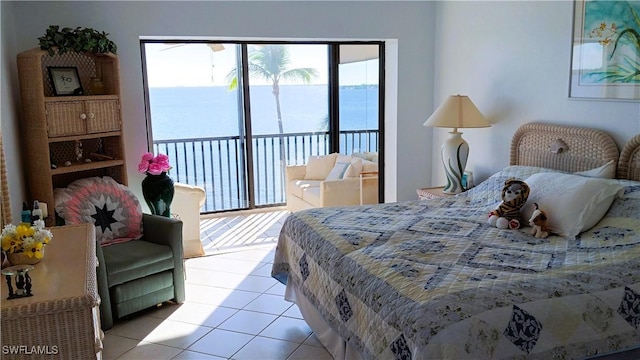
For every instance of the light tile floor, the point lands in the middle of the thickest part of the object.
(233, 308)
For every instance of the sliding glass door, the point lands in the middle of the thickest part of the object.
(288, 89)
(231, 116)
(197, 119)
(359, 99)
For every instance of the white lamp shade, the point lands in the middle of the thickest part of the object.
(458, 111)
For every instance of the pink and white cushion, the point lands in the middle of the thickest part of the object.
(111, 207)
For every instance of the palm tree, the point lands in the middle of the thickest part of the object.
(271, 63)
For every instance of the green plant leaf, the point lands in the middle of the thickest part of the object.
(635, 16)
(632, 34)
(77, 40)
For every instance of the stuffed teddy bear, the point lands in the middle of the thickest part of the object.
(507, 216)
(538, 222)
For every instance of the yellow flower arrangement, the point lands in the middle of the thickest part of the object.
(26, 238)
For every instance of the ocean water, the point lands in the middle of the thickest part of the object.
(205, 112)
(191, 112)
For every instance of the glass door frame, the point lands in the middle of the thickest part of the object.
(244, 92)
(334, 100)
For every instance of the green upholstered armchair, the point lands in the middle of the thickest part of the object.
(138, 274)
(140, 256)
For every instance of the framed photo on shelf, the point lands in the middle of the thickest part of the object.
(605, 61)
(65, 80)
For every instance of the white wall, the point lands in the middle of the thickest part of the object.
(8, 111)
(513, 58)
(410, 23)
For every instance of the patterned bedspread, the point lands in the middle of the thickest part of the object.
(431, 280)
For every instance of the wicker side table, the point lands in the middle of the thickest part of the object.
(432, 193)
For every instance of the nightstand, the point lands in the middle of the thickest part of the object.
(432, 193)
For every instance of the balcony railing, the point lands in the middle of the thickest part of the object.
(217, 163)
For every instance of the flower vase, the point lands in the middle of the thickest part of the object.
(158, 193)
(22, 258)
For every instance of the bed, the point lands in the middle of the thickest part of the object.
(430, 279)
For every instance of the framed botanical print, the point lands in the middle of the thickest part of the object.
(606, 50)
(65, 80)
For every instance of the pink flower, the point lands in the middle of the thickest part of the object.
(155, 168)
(161, 158)
(151, 165)
(147, 156)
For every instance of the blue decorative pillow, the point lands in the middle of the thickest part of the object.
(338, 171)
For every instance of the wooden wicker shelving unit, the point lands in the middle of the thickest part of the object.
(52, 126)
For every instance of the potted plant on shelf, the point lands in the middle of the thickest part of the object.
(76, 40)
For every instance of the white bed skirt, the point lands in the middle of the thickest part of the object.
(334, 344)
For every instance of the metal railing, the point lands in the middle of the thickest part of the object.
(217, 163)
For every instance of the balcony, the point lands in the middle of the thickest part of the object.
(217, 163)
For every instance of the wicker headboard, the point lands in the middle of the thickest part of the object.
(629, 163)
(561, 147)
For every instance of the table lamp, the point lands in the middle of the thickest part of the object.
(458, 111)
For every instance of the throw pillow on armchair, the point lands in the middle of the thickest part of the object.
(102, 201)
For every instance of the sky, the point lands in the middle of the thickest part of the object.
(172, 65)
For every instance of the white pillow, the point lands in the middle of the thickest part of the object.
(606, 171)
(367, 155)
(573, 203)
(338, 170)
(369, 166)
(343, 158)
(318, 167)
(362, 156)
(354, 169)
